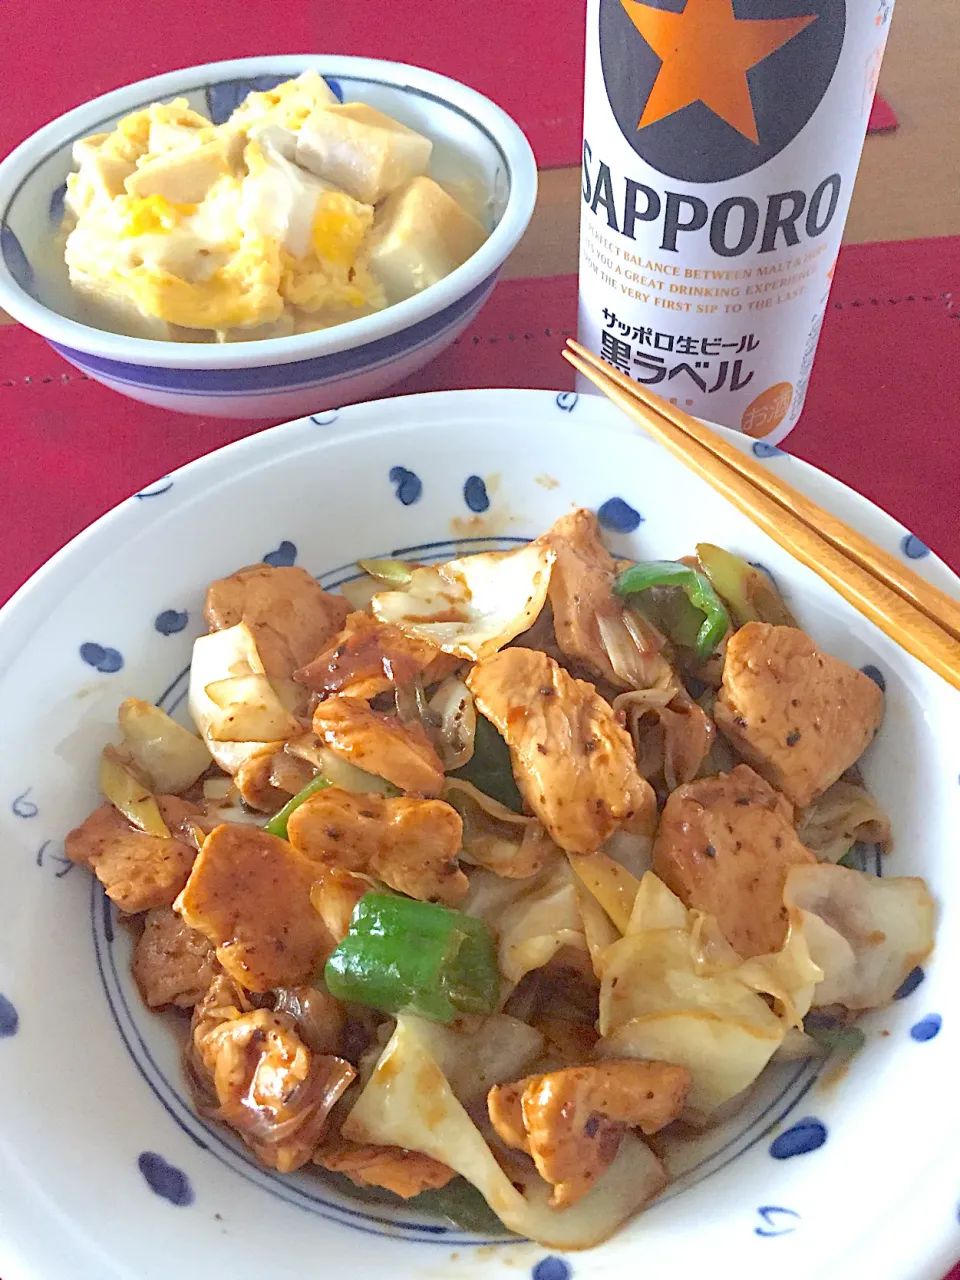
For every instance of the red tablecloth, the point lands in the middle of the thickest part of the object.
(527, 57)
(881, 414)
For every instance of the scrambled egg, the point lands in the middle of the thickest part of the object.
(182, 229)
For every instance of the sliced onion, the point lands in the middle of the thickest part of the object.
(634, 650)
(507, 843)
(613, 886)
(453, 704)
(392, 573)
(335, 895)
(360, 592)
(171, 756)
(340, 772)
(319, 1017)
(217, 788)
(844, 814)
(126, 792)
(252, 711)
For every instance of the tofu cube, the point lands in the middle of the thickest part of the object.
(419, 236)
(361, 151)
(183, 176)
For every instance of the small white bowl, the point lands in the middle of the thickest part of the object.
(106, 1170)
(474, 142)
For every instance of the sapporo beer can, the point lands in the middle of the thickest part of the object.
(721, 139)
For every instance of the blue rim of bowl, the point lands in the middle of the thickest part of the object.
(270, 352)
(263, 380)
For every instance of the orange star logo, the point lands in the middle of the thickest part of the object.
(705, 53)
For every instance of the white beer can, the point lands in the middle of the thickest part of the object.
(721, 140)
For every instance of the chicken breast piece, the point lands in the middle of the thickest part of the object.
(574, 763)
(799, 716)
(255, 1074)
(410, 844)
(172, 963)
(405, 1173)
(370, 657)
(291, 616)
(138, 871)
(571, 1121)
(725, 846)
(585, 607)
(249, 893)
(401, 753)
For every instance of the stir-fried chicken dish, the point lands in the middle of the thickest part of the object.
(476, 876)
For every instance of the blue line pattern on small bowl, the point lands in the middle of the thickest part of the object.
(16, 261)
(224, 98)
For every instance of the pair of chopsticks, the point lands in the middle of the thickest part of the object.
(919, 617)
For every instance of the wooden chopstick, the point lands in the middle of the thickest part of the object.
(897, 616)
(936, 604)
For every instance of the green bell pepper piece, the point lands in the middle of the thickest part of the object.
(462, 1204)
(401, 955)
(277, 826)
(695, 586)
(489, 768)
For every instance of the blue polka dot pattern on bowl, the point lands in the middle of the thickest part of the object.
(912, 547)
(106, 661)
(926, 1028)
(283, 556)
(169, 622)
(763, 450)
(876, 675)
(567, 401)
(475, 494)
(806, 1135)
(618, 516)
(9, 1018)
(552, 1268)
(409, 485)
(23, 806)
(165, 1179)
(910, 983)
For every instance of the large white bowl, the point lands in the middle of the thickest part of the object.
(104, 1168)
(475, 143)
